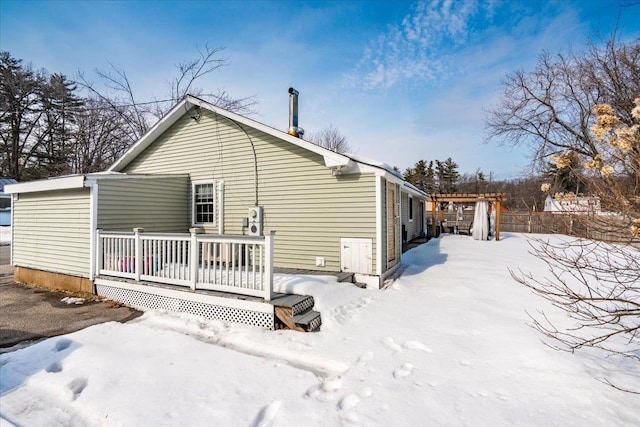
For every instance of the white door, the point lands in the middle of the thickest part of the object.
(356, 255)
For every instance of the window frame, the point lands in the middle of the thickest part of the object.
(194, 214)
(410, 205)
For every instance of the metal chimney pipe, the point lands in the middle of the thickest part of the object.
(293, 114)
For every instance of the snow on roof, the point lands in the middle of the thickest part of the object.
(371, 162)
(4, 181)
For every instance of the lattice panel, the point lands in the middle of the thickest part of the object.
(302, 306)
(209, 311)
(315, 324)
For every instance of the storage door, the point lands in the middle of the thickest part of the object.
(356, 255)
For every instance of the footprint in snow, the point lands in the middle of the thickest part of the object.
(389, 342)
(77, 386)
(403, 371)
(416, 345)
(348, 402)
(365, 358)
(346, 406)
(326, 390)
(53, 368)
(267, 414)
(366, 392)
(62, 344)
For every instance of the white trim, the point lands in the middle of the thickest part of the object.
(390, 272)
(372, 282)
(220, 207)
(260, 307)
(399, 227)
(379, 241)
(13, 228)
(62, 183)
(410, 208)
(93, 225)
(331, 158)
(212, 182)
(75, 181)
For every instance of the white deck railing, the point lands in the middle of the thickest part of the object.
(237, 264)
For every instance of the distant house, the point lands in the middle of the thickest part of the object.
(578, 204)
(5, 202)
(223, 176)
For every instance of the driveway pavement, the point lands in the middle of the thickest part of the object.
(30, 314)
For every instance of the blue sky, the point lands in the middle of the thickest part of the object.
(402, 80)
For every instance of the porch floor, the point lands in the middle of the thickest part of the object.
(185, 289)
(413, 243)
(341, 275)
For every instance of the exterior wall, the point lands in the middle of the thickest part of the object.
(383, 243)
(393, 238)
(308, 207)
(156, 204)
(51, 231)
(412, 227)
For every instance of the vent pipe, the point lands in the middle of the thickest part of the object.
(293, 114)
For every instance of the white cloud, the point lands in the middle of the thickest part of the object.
(415, 49)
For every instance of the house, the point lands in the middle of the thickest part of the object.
(5, 202)
(221, 176)
(572, 205)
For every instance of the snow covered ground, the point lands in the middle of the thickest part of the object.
(446, 344)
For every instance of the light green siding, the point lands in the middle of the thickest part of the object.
(413, 227)
(308, 207)
(52, 231)
(156, 204)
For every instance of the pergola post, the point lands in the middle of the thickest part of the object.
(497, 219)
(433, 219)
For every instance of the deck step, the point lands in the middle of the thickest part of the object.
(309, 321)
(296, 312)
(297, 303)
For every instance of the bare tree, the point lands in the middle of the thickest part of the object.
(332, 139)
(596, 283)
(549, 109)
(139, 116)
(100, 137)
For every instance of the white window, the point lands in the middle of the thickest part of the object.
(204, 203)
(410, 208)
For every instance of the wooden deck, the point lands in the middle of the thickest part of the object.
(342, 276)
(283, 310)
(413, 243)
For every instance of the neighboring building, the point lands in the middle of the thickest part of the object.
(5, 202)
(202, 166)
(579, 204)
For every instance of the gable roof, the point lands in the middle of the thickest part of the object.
(331, 158)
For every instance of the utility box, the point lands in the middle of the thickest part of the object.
(255, 221)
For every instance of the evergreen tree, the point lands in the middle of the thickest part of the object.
(448, 175)
(20, 115)
(61, 106)
(422, 176)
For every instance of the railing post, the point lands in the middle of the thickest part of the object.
(268, 265)
(138, 252)
(193, 256)
(99, 253)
